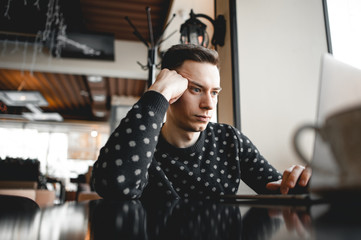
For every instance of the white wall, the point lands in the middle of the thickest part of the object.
(280, 46)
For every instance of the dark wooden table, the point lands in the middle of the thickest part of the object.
(182, 219)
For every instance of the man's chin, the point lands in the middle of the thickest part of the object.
(195, 126)
(201, 127)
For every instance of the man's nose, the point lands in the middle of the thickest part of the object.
(207, 101)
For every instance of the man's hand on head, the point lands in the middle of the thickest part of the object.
(292, 177)
(170, 84)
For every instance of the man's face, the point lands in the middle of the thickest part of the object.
(194, 109)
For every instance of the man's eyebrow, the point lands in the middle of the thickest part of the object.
(201, 86)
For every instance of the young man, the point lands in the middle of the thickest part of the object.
(187, 156)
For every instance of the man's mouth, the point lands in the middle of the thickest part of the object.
(203, 118)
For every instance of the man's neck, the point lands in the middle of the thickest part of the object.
(178, 137)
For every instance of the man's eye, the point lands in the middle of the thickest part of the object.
(195, 89)
(215, 93)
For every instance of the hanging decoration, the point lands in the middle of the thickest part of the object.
(152, 45)
(53, 36)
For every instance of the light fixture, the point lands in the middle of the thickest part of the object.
(22, 98)
(32, 100)
(37, 114)
(94, 133)
(99, 114)
(99, 98)
(42, 116)
(95, 78)
(193, 31)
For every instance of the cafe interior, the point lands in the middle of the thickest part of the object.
(71, 70)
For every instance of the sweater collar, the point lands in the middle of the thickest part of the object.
(196, 147)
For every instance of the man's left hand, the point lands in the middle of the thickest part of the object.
(293, 176)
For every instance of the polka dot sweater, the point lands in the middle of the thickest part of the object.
(138, 162)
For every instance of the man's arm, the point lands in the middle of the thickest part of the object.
(256, 171)
(121, 170)
(263, 178)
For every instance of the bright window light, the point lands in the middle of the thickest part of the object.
(345, 30)
(94, 133)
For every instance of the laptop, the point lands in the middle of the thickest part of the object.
(340, 88)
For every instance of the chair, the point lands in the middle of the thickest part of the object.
(18, 184)
(85, 190)
(22, 177)
(26, 193)
(84, 196)
(12, 205)
(44, 198)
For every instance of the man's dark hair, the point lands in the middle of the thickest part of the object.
(177, 54)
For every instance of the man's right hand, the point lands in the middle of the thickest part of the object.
(170, 84)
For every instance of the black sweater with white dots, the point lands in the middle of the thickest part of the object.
(137, 162)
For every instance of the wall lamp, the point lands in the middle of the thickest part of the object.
(193, 31)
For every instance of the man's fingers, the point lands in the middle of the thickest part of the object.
(171, 84)
(290, 178)
(284, 184)
(274, 186)
(305, 177)
(293, 176)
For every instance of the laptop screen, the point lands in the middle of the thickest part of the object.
(340, 89)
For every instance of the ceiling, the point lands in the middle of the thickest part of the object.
(73, 96)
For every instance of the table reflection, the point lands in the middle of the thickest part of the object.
(179, 219)
(69, 221)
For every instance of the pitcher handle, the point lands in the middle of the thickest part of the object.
(296, 137)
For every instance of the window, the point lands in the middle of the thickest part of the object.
(63, 151)
(344, 19)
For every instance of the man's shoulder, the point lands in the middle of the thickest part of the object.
(222, 127)
(215, 125)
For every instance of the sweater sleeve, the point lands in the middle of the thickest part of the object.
(256, 171)
(121, 170)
